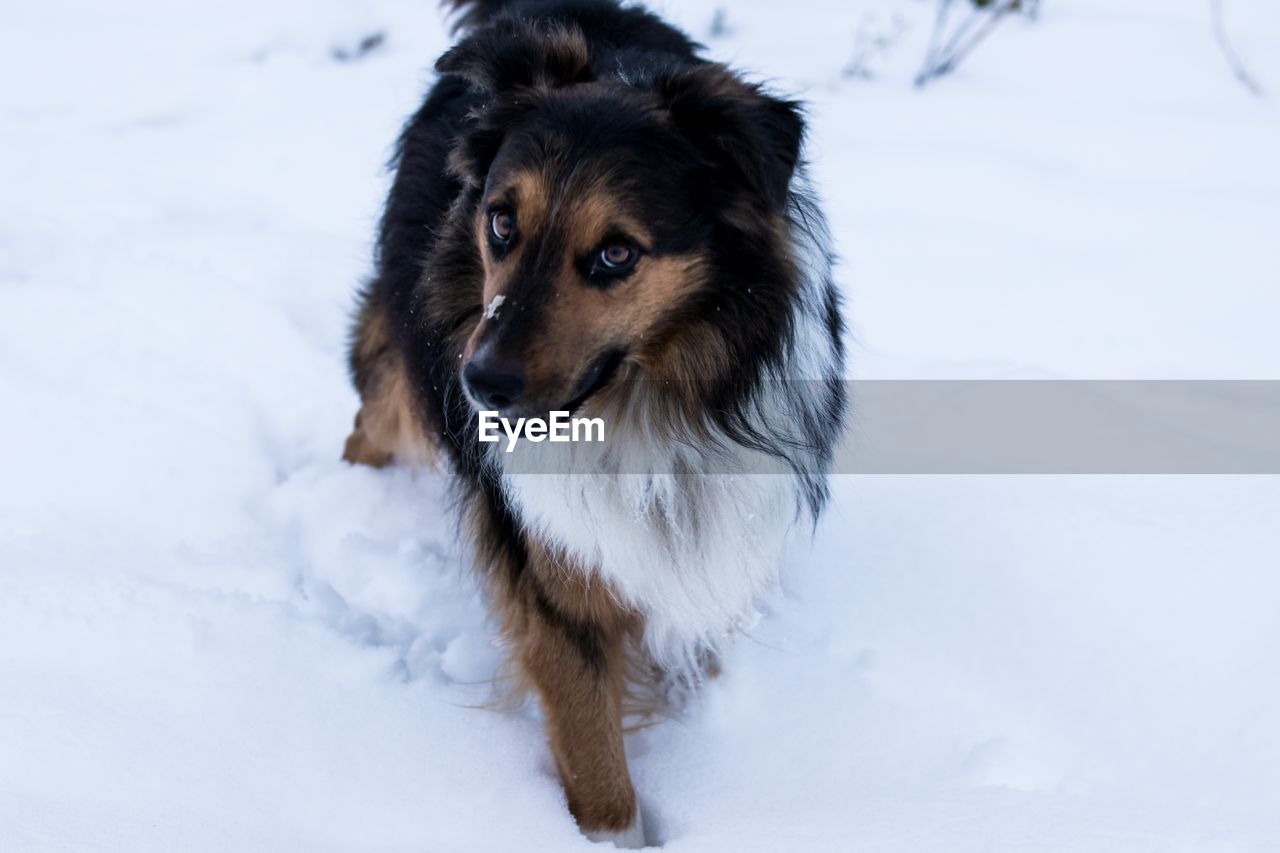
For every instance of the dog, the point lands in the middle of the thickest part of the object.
(589, 217)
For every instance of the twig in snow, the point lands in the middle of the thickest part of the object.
(935, 38)
(871, 42)
(720, 23)
(967, 36)
(363, 48)
(1224, 44)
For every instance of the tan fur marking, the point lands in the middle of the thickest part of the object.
(631, 311)
(386, 427)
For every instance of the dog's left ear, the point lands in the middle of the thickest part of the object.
(750, 138)
(516, 55)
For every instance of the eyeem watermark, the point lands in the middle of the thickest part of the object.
(560, 427)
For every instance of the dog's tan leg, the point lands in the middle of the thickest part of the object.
(386, 428)
(573, 652)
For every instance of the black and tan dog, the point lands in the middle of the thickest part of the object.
(589, 217)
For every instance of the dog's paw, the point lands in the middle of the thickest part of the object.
(631, 838)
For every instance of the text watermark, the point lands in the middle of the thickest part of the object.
(557, 427)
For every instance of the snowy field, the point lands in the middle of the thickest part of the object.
(216, 637)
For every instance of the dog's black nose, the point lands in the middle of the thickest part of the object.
(493, 383)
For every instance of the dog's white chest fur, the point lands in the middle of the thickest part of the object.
(693, 552)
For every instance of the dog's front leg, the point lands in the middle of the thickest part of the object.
(573, 653)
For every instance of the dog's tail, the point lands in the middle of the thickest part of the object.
(472, 14)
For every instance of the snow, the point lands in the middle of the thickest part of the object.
(214, 636)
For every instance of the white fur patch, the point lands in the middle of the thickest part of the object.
(691, 547)
(494, 304)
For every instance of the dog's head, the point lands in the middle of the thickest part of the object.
(620, 226)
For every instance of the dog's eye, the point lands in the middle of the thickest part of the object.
(617, 257)
(502, 224)
(611, 263)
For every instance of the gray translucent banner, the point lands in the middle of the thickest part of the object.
(982, 427)
(1062, 427)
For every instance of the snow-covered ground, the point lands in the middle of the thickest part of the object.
(216, 637)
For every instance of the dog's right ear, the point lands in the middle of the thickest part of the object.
(750, 138)
(518, 55)
(511, 62)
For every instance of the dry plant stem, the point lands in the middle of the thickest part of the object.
(1229, 53)
(968, 35)
(935, 39)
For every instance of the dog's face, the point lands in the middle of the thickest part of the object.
(602, 220)
(590, 244)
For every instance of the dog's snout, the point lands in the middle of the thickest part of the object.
(493, 382)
